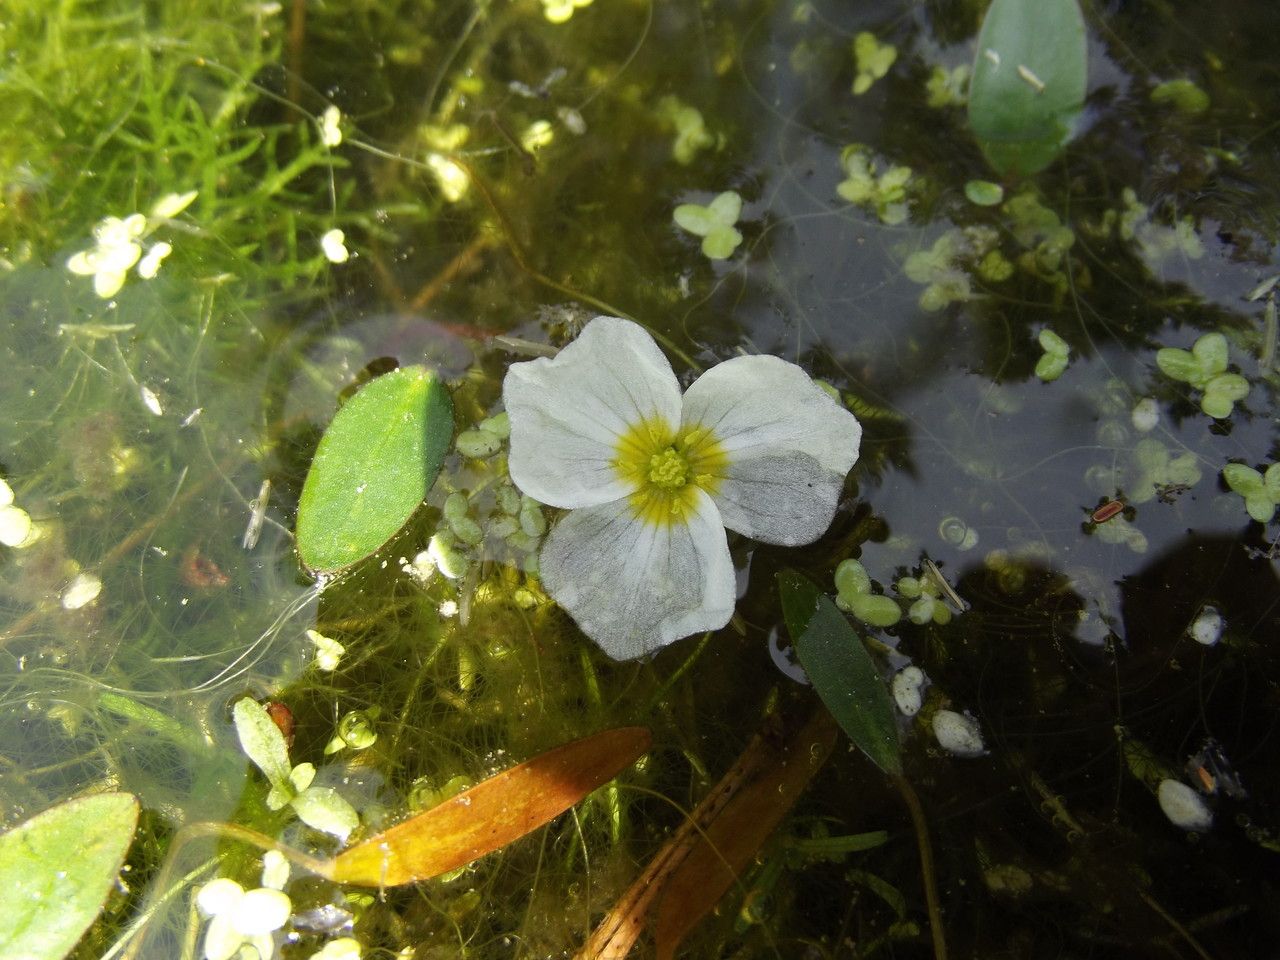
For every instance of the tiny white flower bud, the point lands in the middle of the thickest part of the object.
(81, 591)
(330, 131)
(334, 246)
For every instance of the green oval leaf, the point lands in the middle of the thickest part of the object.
(57, 870)
(1029, 80)
(373, 467)
(984, 193)
(841, 670)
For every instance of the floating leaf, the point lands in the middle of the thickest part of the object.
(373, 467)
(841, 671)
(492, 813)
(57, 870)
(1029, 81)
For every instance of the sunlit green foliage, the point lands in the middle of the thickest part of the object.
(58, 868)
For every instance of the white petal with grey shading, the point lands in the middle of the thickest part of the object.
(789, 447)
(634, 586)
(568, 412)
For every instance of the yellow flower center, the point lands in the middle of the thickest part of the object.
(668, 467)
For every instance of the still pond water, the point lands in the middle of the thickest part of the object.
(497, 174)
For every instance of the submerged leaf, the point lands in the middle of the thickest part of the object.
(263, 743)
(842, 672)
(373, 467)
(1029, 81)
(57, 870)
(730, 842)
(492, 813)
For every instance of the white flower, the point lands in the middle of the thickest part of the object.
(330, 130)
(242, 921)
(117, 250)
(334, 246)
(653, 478)
(149, 265)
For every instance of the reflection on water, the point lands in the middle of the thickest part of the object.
(498, 174)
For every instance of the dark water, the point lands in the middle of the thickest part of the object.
(1074, 657)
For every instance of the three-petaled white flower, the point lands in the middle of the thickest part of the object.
(653, 478)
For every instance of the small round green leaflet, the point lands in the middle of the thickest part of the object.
(56, 871)
(841, 670)
(373, 467)
(1029, 81)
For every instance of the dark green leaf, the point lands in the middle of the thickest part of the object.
(373, 467)
(1029, 81)
(841, 670)
(57, 870)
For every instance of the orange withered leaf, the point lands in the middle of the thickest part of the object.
(491, 814)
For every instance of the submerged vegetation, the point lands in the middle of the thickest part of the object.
(1019, 698)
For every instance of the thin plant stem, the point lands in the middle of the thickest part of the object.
(928, 876)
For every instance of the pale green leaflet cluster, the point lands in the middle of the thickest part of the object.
(714, 223)
(874, 186)
(1056, 356)
(1204, 368)
(692, 135)
(872, 60)
(1260, 489)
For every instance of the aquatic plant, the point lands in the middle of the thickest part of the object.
(1204, 368)
(1261, 490)
(714, 223)
(872, 59)
(1056, 356)
(854, 594)
(870, 184)
(652, 478)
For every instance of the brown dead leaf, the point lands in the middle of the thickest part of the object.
(702, 859)
(492, 813)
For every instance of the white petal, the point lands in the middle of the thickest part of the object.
(219, 896)
(221, 940)
(634, 587)
(261, 911)
(789, 447)
(568, 412)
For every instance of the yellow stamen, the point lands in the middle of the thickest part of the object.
(668, 466)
